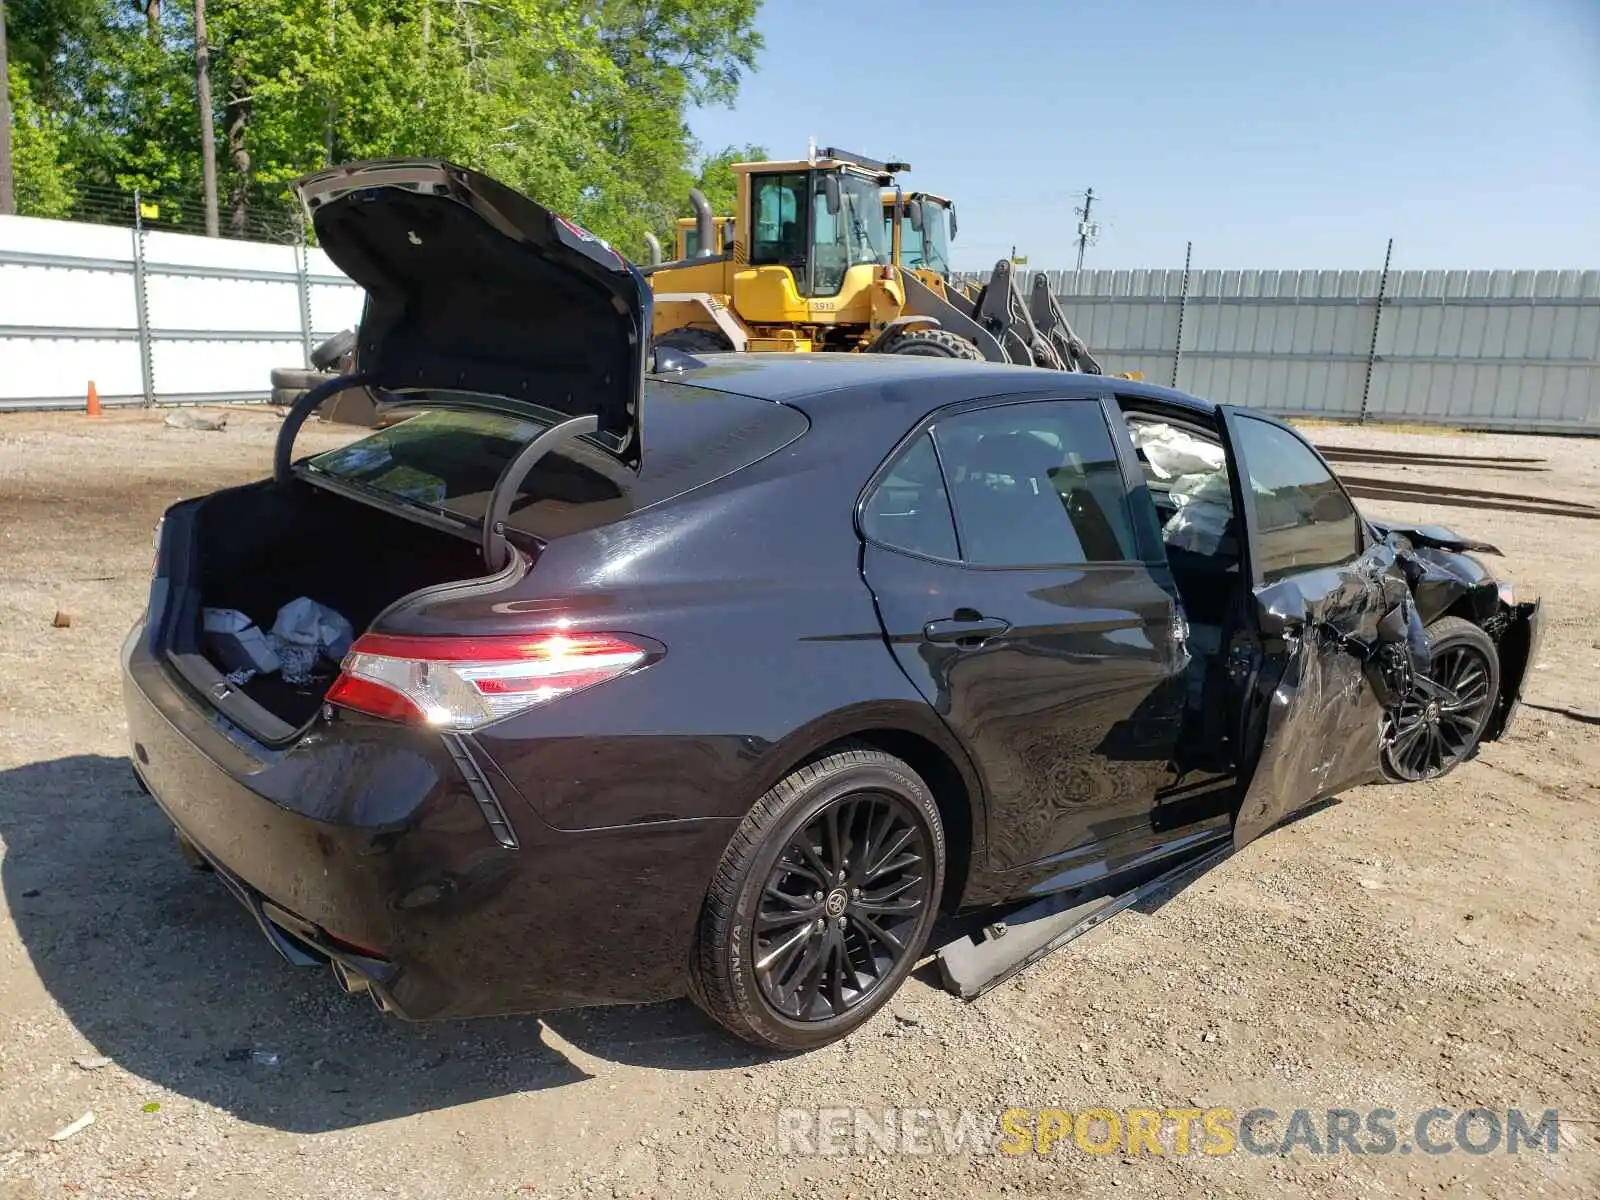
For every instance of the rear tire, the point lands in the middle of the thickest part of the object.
(1425, 741)
(932, 343)
(789, 960)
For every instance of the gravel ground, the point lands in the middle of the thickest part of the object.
(1434, 945)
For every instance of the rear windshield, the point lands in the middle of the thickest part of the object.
(448, 459)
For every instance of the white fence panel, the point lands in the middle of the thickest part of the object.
(1483, 349)
(152, 316)
(165, 317)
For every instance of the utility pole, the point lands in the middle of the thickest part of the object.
(1088, 231)
(8, 198)
(208, 139)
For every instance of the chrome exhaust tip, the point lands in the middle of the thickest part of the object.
(353, 982)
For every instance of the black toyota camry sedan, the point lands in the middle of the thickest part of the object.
(725, 676)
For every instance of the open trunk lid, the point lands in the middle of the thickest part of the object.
(473, 288)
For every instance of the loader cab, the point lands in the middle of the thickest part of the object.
(803, 264)
(821, 220)
(920, 227)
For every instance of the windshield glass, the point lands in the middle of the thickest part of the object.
(860, 210)
(929, 246)
(852, 236)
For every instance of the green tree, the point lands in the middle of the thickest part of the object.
(715, 179)
(580, 103)
(41, 179)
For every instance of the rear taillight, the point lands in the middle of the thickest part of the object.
(464, 682)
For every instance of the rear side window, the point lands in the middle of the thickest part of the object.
(909, 509)
(1037, 484)
(1303, 517)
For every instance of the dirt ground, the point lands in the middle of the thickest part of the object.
(1405, 948)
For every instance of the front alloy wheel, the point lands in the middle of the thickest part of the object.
(1429, 736)
(822, 903)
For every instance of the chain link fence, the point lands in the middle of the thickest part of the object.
(274, 216)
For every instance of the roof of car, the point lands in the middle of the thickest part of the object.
(791, 377)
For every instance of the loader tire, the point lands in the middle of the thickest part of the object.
(932, 343)
(694, 341)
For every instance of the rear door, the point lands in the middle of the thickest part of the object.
(1318, 587)
(1014, 587)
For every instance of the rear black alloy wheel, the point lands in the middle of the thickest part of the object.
(823, 902)
(1428, 737)
(839, 906)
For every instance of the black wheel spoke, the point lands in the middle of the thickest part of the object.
(841, 906)
(890, 908)
(808, 977)
(905, 861)
(778, 959)
(810, 864)
(837, 965)
(873, 930)
(878, 827)
(874, 869)
(837, 846)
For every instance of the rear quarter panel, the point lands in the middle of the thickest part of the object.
(773, 644)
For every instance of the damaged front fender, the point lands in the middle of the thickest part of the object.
(1446, 580)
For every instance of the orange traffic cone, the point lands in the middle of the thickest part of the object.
(92, 405)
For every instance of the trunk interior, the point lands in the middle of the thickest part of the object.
(259, 547)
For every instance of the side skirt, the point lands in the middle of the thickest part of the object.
(970, 966)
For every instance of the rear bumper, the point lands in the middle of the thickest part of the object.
(364, 845)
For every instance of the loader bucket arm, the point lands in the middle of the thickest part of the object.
(1052, 325)
(1001, 310)
(923, 301)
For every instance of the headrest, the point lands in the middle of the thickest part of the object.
(1009, 453)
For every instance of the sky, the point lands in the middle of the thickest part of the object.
(1295, 134)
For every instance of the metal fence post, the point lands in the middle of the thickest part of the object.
(1377, 320)
(302, 270)
(1183, 305)
(147, 370)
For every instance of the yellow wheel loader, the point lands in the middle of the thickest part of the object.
(807, 264)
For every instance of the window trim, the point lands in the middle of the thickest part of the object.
(1110, 414)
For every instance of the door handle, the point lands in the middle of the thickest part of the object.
(967, 628)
